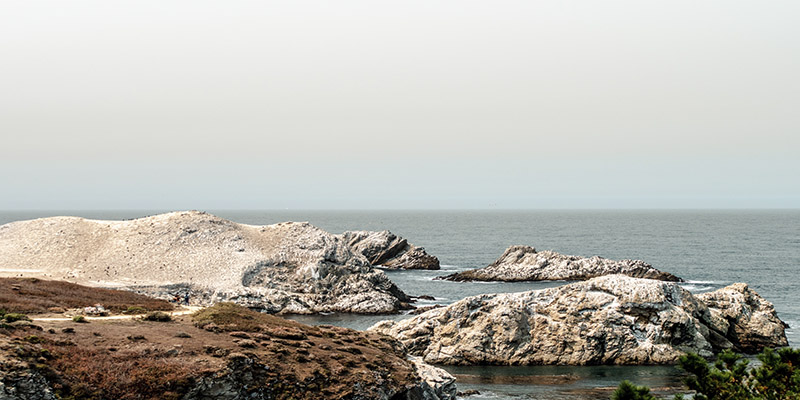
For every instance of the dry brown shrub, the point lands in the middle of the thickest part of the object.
(95, 374)
(31, 295)
(231, 317)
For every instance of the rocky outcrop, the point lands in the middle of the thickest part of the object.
(437, 384)
(744, 316)
(245, 375)
(287, 267)
(524, 263)
(387, 250)
(19, 382)
(612, 319)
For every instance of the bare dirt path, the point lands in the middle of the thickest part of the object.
(185, 310)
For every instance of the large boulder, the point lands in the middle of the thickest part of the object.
(288, 267)
(744, 316)
(388, 250)
(612, 319)
(524, 263)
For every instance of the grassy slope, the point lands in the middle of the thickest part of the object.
(31, 296)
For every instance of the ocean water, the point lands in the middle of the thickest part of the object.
(710, 249)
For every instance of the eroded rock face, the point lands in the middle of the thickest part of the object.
(612, 319)
(387, 250)
(18, 381)
(524, 263)
(437, 384)
(744, 316)
(244, 372)
(287, 267)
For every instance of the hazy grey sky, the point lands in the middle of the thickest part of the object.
(406, 104)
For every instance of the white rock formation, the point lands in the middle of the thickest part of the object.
(744, 316)
(387, 250)
(287, 267)
(437, 384)
(524, 263)
(612, 319)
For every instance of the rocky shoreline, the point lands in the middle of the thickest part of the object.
(524, 263)
(612, 319)
(618, 312)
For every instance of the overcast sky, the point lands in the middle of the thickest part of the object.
(406, 104)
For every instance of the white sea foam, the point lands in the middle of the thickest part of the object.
(443, 267)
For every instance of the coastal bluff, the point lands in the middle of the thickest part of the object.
(290, 267)
(524, 263)
(612, 319)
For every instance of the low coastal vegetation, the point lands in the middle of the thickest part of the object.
(12, 317)
(226, 352)
(777, 377)
(133, 310)
(37, 296)
(157, 316)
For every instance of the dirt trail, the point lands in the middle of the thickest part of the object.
(184, 311)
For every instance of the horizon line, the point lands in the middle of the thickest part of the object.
(410, 209)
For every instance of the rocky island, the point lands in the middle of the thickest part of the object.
(387, 250)
(282, 268)
(613, 319)
(524, 263)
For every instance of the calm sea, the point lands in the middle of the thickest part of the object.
(710, 249)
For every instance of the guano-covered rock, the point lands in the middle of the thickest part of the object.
(288, 267)
(524, 263)
(612, 319)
